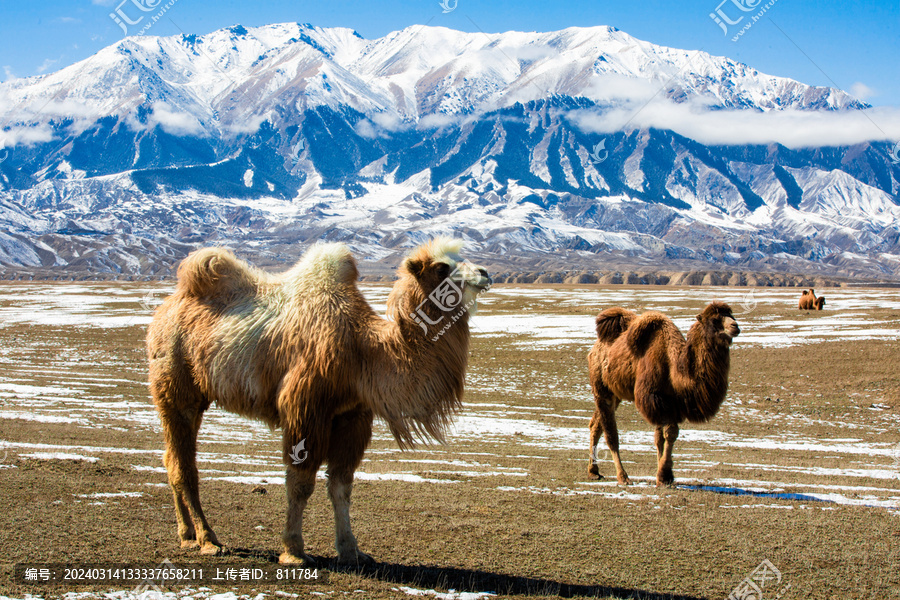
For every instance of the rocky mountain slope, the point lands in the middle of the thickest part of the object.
(269, 139)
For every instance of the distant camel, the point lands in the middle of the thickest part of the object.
(808, 301)
(305, 352)
(646, 360)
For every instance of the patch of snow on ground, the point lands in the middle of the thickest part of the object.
(58, 456)
(451, 595)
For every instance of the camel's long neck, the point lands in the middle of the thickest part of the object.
(703, 367)
(415, 378)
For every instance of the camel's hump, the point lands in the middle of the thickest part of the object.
(324, 264)
(207, 269)
(612, 322)
(644, 328)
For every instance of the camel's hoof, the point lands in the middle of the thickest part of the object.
(211, 549)
(595, 471)
(668, 482)
(189, 543)
(289, 558)
(356, 558)
(623, 480)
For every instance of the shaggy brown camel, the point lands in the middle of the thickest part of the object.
(646, 360)
(305, 352)
(809, 301)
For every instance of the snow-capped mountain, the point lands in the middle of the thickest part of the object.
(271, 138)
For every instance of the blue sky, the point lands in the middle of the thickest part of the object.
(849, 44)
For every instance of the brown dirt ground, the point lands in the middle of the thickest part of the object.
(473, 535)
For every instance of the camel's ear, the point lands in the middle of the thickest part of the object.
(415, 266)
(700, 317)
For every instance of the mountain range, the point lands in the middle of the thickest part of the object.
(569, 150)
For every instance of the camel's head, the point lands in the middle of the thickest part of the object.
(439, 282)
(820, 302)
(718, 320)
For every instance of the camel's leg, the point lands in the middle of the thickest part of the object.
(596, 431)
(604, 420)
(665, 441)
(299, 483)
(186, 532)
(350, 435)
(611, 432)
(303, 447)
(180, 459)
(659, 439)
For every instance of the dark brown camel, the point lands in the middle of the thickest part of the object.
(646, 360)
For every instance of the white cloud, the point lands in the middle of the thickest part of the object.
(379, 125)
(439, 121)
(31, 126)
(25, 136)
(861, 91)
(83, 115)
(614, 88)
(531, 53)
(174, 123)
(248, 127)
(8, 73)
(45, 66)
(366, 129)
(791, 128)
(387, 121)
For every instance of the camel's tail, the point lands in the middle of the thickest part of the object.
(612, 322)
(208, 270)
(644, 329)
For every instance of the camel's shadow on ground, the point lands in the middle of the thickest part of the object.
(468, 580)
(733, 491)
